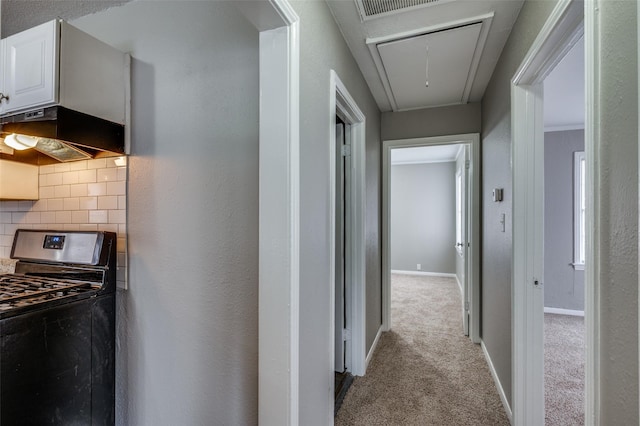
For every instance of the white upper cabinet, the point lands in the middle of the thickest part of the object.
(31, 68)
(57, 64)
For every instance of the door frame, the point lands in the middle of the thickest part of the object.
(473, 253)
(341, 103)
(560, 32)
(279, 211)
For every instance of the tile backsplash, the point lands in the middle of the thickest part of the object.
(83, 195)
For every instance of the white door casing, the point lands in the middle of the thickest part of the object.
(558, 35)
(342, 104)
(473, 235)
(279, 177)
(462, 196)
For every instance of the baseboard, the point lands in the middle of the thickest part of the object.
(459, 283)
(494, 374)
(428, 274)
(559, 311)
(373, 348)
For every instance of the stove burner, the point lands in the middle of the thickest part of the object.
(17, 290)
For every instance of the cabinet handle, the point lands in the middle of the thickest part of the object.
(3, 96)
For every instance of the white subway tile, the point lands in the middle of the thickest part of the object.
(79, 190)
(122, 173)
(8, 206)
(32, 217)
(49, 168)
(71, 227)
(10, 228)
(61, 167)
(63, 217)
(117, 216)
(98, 216)
(5, 217)
(109, 202)
(71, 204)
(18, 217)
(116, 188)
(122, 202)
(40, 205)
(100, 163)
(86, 176)
(47, 192)
(97, 189)
(62, 191)
(88, 227)
(88, 203)
(6, 240)
(48, 217)
(52, 179)
(122, 229)
(122, 245)
(81, 216)
(105, 175)
(78, 165)
(25, 206)
(70, 178)
(54, 204)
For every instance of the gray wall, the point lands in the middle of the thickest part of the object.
(322, 48)
(496, 166)
(451, 120)
(563, 285)
(618, 208)
(617, 222)
(423, 217)
(188, 326)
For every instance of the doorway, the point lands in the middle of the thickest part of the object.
(468, 236)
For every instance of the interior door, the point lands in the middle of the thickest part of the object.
(343, 247)
(462, 227)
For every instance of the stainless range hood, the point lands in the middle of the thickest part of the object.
(63, 135)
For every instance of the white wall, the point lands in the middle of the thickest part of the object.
(423, 217)
(187, 344)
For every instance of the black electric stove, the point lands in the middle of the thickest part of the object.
(57, 330)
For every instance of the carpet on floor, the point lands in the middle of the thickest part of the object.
(564, 370)
(424, 371)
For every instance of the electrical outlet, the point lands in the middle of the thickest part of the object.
(418, 266)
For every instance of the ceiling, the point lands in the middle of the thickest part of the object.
(428, 53)
(564, 106)
(424, 154)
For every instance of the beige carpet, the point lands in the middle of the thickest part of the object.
(564, 370)
(424, 371)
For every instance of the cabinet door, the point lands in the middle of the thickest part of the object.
(31, 67)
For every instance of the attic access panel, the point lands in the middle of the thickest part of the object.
(452, 62)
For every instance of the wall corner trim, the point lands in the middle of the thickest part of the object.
(496, 379)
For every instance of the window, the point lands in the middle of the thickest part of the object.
(579, 206)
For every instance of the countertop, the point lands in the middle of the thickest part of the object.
(7, 266)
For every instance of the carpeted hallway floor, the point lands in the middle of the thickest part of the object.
(424, 371)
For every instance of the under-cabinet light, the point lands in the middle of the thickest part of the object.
(20, 142)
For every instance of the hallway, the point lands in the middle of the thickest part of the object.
(424, 371)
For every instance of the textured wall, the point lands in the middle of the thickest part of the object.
(451, 120)
(322, 48)
(423, 213)
(563, 285)
(618, 208)
(188, 342)
(496, 166)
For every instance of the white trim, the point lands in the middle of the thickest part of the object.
(279, 198)
(374, 345)
(341, 103)
(559, 33)
(578, 158)
(409, 162)
(496, 380)
(564, 127)
(593, 58)
(560, 311)
(473, 139)
(459, 284)
(424, 273)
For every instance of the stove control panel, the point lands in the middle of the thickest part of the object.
(54, 242)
